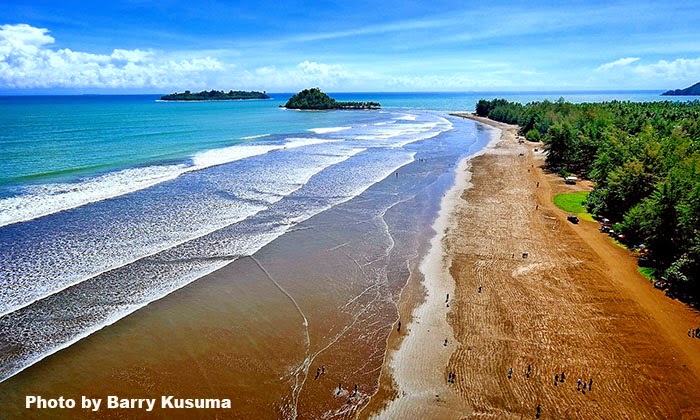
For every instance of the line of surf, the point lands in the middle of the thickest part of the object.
(191, 277)
(326, 130)
(47, 199)
(294, 143)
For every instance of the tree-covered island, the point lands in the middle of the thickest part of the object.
(315, 99)
(214, 95)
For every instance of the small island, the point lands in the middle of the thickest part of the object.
(315, 99)
(214, 95)
(689, 91)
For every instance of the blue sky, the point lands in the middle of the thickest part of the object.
(138, 46)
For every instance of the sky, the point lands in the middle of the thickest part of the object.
(139, 46)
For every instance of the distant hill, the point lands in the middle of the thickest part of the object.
(314, 99)
(214, 95)
(689, 91)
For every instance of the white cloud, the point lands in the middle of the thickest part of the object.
(679, 69)
(303, 75)
(26, 61)
(622, 62)
(633, 73)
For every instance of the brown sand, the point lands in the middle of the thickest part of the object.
(575, 304)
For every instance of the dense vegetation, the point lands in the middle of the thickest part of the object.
(214, 95)
(315, 99)
(645, 161)
(689, 91)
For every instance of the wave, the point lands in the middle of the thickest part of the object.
(46, 199)
(19, 289)
(258, 136)
(325, 130)
(144, 297)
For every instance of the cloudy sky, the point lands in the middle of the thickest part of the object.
(67, 46)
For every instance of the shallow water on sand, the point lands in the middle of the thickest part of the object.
(321, 293)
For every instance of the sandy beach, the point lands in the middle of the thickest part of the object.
(536, 305)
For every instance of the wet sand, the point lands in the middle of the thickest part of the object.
(574, 303)
(256, 332)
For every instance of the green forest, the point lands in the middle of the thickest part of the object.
(645, 161)
(214, 95)
(315, 99)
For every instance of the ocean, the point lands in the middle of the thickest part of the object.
(111, 203)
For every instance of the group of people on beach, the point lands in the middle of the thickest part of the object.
(580, 385)
(694, 333)
(528, 372)
(320, 371)
(340, 389)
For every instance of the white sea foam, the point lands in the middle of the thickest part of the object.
(230, 154)
(293, 142)
(398, 135)
(407, 117)
(42, 277)
(52, 198)
(324, 130)
(259, 136)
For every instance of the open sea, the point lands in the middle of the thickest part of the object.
(109, 203)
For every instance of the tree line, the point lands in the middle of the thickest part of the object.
(645, 161)
(214, 95)
(315, 99)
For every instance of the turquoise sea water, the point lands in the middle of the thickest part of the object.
(50, 139)
(110, 202)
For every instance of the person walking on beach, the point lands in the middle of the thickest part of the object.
(556, 379)
(323, 369)
(538, 411)
(578, 386)
(340, 388)
(479, 289)
(399, 327)
(562, 378)
(527, 372)
(590, 385)
(355, 393)
(447, 298)
(318, 373)
(510, 373)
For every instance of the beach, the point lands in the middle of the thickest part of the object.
(388, 265)
(291, 321)
(548, 318)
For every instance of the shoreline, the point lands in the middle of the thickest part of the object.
(411, 366)
(236, 333)
(556, 298)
